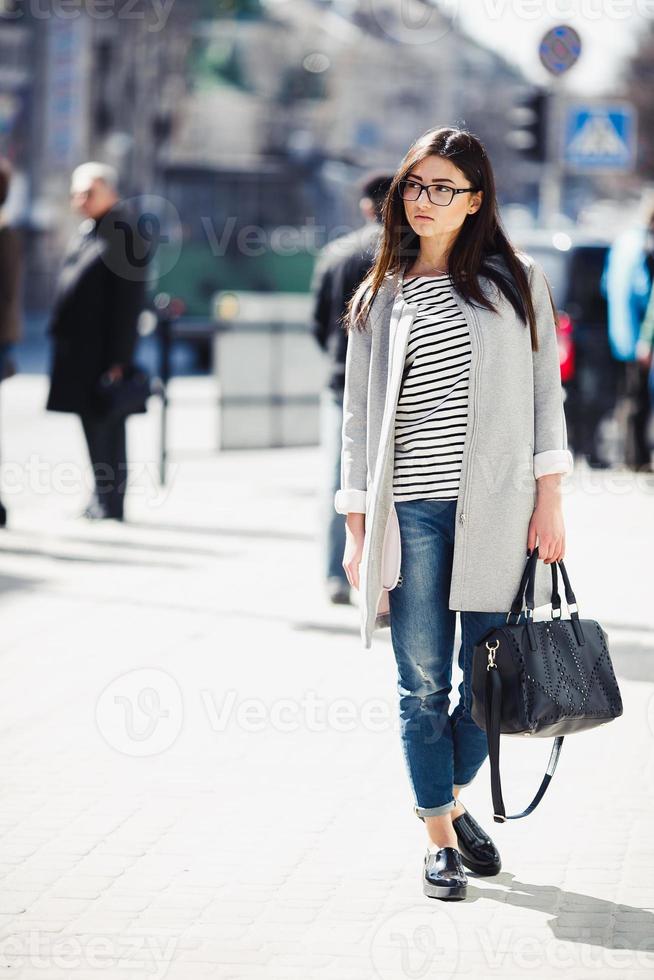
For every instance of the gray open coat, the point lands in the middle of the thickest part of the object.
(516, 432)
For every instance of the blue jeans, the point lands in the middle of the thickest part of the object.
(332, 523)
(441, 750)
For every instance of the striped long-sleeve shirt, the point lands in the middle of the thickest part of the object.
(432, 408)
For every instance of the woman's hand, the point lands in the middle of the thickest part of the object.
(546, 522)
(354, 536)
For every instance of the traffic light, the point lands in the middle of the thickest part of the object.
(528, 132)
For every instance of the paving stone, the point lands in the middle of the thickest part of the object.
(154, 791)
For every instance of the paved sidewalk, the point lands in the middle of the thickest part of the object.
(200, 764)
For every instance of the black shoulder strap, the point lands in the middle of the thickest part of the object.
(493, 707)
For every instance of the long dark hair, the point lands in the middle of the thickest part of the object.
(481, 238)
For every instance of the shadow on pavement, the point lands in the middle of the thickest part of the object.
(610, 925)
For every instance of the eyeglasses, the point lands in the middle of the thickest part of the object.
(410, 190)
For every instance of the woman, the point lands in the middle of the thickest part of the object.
(454, 443)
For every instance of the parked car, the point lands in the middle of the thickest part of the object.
(573, 261)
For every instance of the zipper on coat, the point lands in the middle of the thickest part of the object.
(473, 437)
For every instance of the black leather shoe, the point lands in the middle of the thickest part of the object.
(444, 876)
(478, 852)
(96, 512)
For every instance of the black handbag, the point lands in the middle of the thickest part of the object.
(546, 678)
(123, 396)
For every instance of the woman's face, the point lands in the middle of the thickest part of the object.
(429, 219)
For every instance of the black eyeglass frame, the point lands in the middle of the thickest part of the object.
(425, 187)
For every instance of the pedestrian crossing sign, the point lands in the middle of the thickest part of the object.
(600, 137)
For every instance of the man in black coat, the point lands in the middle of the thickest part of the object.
(342, 265)
(93, 325)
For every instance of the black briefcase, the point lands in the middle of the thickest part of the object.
(124, 396)
(548, 678)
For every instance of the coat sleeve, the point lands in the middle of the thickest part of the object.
(351, 497)
(125, 289)
(125, 303)
(321, 290)
(551, 453)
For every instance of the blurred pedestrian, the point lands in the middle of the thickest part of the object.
(11, 263)
(627, 284)
(93, 324)
(341, 266)
(592, 387)
(645, 347)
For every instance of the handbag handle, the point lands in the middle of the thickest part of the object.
(518, 602)
(493, 692)
(525, 594)
(493, 710)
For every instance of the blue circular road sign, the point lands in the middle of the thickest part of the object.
(559, 49)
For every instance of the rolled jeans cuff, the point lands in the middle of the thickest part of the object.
(433, 811)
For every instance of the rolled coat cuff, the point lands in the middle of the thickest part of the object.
(350, 501)
(553, 461)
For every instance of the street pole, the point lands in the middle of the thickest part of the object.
(558, 51)
(165, 314)
(551, 183)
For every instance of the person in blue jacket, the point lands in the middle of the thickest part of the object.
(627, 283)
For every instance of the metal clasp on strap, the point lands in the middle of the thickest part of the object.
(491, 654)
(499, 818)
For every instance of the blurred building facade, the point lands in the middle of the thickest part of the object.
(246, 117)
